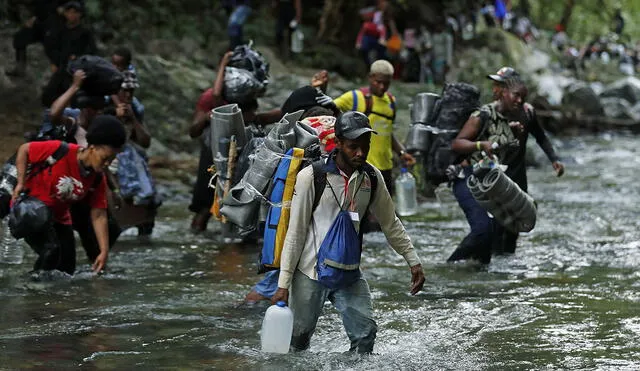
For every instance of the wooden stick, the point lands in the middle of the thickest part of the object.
(231, 166)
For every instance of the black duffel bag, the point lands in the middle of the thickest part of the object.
(29, 216)
(103, 78)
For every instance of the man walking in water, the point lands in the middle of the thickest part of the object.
(350, 184)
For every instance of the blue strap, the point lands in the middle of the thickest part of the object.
(354, 94)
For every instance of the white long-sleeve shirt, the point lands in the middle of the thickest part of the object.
(307, 228)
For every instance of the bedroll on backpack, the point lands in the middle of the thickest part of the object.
(458, 101)
(277, 222)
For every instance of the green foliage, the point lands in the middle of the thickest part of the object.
(589, 19)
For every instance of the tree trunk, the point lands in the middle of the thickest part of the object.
(340, 21)
(566, 14)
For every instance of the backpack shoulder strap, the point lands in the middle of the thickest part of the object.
(319, 181)
(368, 100)
(393, 105)
(373, 177)
(58, 154)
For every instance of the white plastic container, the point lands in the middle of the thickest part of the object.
(297, 41)
(406, 195)
(277, 328)
(11, 251)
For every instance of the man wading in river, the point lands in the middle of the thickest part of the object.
(351, 188)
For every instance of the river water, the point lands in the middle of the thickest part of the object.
(568, 299)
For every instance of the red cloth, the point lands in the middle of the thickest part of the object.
(326, 132)
(208, 101)
(61, 185)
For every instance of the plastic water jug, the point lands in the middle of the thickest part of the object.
(406, 195)
(11, 251)
(277, 328)
(297, 41)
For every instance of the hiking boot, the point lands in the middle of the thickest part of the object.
(199, 221)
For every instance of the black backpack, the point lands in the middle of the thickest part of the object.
(458, 101)
(103, 78)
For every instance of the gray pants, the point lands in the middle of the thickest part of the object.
(353, 303)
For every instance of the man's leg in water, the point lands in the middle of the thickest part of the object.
(305, 300)
(354, 303)
(264, 289)
(202, 198)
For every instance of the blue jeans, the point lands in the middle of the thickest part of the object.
(477, 244)
(307, 298)
(268, 285)
(236, 21)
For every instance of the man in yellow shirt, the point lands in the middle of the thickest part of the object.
(380, 106)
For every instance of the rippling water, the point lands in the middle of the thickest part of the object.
(568, 299)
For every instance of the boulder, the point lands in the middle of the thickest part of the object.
(627, 89)
(617, 108)
(579, 97)
(552, 86)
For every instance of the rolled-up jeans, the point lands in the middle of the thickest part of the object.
(353, 302)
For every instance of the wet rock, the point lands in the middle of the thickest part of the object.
(617, 108)
(552, 87)
(627, 89)
(580, 98)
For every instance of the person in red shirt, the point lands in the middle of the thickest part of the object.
(76, 177)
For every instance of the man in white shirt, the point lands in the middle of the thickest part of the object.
(349, 186)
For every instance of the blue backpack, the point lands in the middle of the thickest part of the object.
(339, 254)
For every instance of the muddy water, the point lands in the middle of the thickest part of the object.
(568, 299)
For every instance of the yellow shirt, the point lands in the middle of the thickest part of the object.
(382, 110)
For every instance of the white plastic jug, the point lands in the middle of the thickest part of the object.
(406, 195)
(297, 41)
(277, 328)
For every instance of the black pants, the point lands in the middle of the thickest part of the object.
(286, 13)
(202, 197)
(56, 249)
(59, 82)
(81, 218)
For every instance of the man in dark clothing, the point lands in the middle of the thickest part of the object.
(66, 44)
(504, 241)
(36, 29)
(289, 13)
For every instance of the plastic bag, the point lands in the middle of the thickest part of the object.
(241, 86)
(246, 58)
(103, 78)
(29, 216)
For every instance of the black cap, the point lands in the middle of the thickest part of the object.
(351, 125)
(77, 5)
(106, 130)
(304, 98)
(504, 74)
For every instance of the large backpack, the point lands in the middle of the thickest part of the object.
(368, 103)
(102, 77)
(458, 101)
(277, 222)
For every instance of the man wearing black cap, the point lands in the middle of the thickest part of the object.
(349, 185)
(505, 124)
(505, 241)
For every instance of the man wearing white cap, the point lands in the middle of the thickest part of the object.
(380, 107)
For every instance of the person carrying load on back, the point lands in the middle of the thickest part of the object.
(504, 240)
(202, 197)
(379, 106)
(496, 127)
(77, 176)
(315, 105)
(346, 188)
